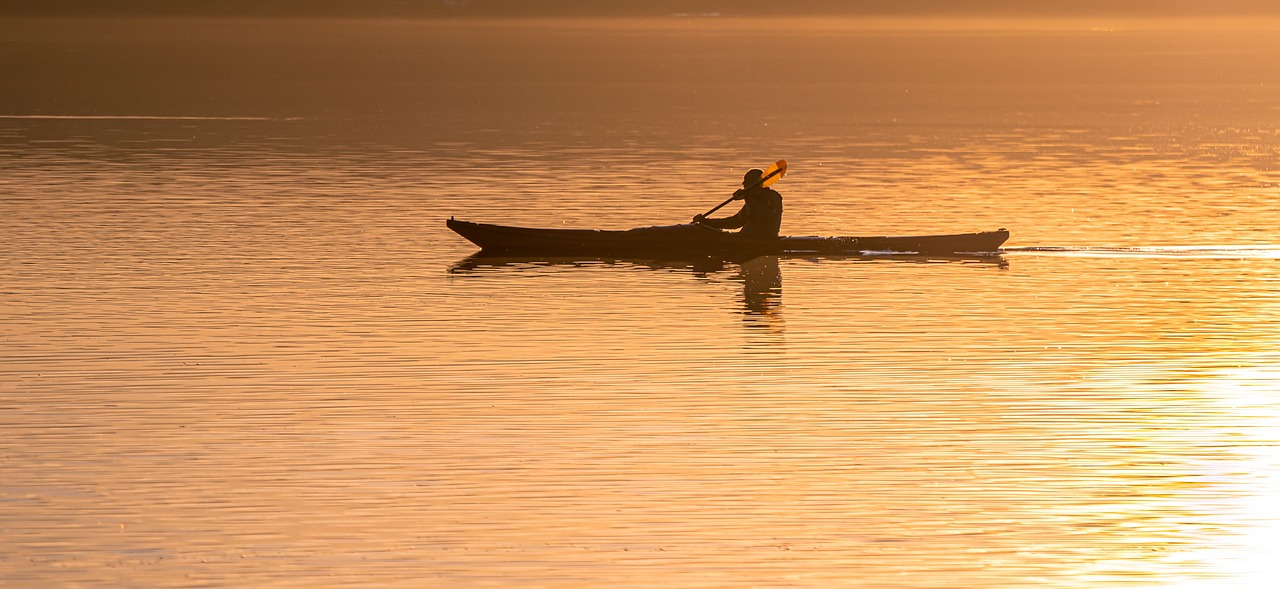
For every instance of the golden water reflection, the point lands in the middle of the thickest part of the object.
(1098, 455)
(233, 354)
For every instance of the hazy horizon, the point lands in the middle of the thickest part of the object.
(613, 8)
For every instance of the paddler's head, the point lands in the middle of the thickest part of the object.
(752, 177)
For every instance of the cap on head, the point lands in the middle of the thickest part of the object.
(752, 176)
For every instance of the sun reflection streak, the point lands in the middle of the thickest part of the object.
(1245, 554)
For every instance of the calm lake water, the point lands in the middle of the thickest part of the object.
(238, 346)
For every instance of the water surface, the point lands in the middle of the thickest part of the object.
(240, 347)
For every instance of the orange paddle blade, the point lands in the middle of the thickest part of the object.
(774, 173)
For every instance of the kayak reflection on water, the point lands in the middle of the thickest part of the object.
(761, 276)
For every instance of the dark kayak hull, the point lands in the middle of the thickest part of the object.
(686, 240)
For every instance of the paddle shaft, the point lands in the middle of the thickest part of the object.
(753, 185)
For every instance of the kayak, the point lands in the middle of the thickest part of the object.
(697, 239)
(704, 264)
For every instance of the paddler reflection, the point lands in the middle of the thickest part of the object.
(761, 286)
(761, 279)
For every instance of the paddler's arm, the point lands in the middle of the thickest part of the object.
(733, 222)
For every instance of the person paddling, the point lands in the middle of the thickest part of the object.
(761, 213)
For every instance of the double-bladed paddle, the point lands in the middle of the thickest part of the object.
(771, 174)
